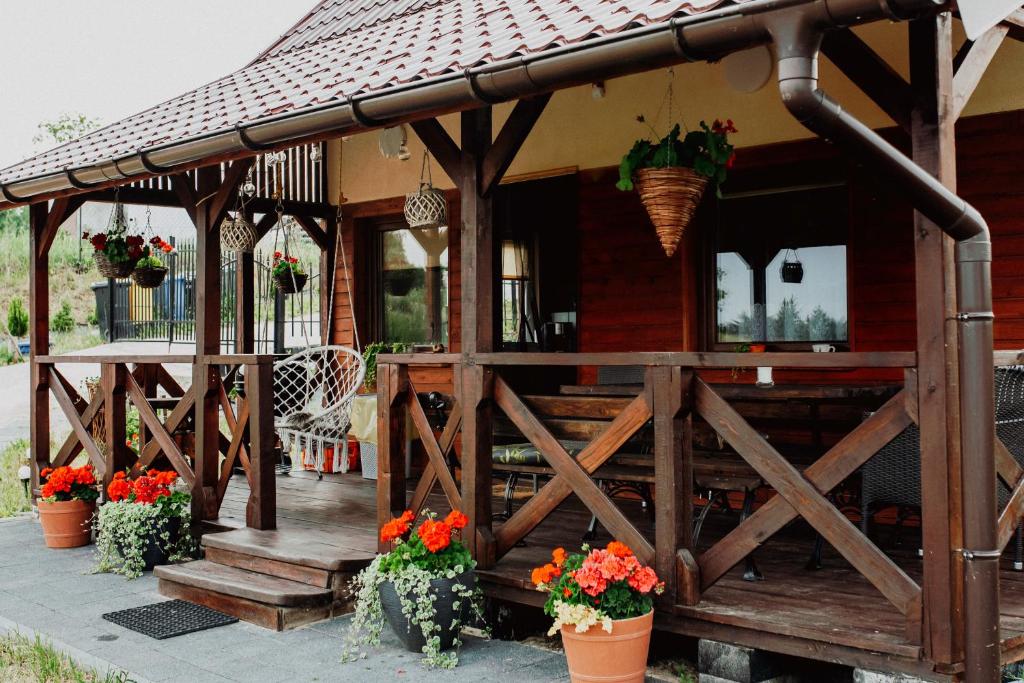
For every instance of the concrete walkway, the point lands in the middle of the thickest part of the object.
(52, 593)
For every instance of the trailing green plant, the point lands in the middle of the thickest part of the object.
(370, 352)
(17, 319)
(63, 321)
(415, 560)
(707, 151)
(139, 510)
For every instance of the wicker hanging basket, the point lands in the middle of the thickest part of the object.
(149, 278)
(426, 208)
(287, 285)
(110, 268)
(671, 196)
(237, 234)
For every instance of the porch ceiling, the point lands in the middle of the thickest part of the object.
(341, 49)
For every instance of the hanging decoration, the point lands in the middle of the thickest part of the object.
(288, 274)
(791, 272)
(237, 233)
(150, 270)
(111, 248)
(671, 175)
(427, 207)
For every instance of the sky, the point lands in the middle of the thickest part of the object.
(109, 59)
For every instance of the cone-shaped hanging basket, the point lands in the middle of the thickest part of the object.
(671, 196)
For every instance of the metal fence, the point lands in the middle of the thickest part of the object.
(168, 313)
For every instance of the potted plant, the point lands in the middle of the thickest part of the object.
(115, 251)
(601, 601)
(370, 352)
(67, 504)
(672, 174)
(144, 523)
(149, 270)
(424, 588)
(288, 273)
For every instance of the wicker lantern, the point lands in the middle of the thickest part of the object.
(427, 207)
(237, 234)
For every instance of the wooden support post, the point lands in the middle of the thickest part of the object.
(149, 384)
(112, 383)
(328, 276)
(669, 391)
(477, 389)
(39, 341)
(245, 299)
(392, 382)
(261, 510)
(934, 149)
(478, 319)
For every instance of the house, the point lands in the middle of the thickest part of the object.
(525, 109)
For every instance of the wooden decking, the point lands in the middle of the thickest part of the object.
(832, 614)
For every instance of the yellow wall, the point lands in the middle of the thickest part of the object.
(577, 130)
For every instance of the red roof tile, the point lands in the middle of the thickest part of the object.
(351, 47)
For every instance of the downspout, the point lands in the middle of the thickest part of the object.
(797, 39)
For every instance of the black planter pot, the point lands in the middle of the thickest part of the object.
(154, 553)
(793, 272)
(411, 634)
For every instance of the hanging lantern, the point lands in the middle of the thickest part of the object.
(237, 234)
(427, 207)
(792, 272)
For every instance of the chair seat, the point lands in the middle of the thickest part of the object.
(526, 453)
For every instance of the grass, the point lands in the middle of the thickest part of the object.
(12, 493)
(24, 659)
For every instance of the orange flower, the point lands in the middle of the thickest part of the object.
(545, 574)
(436, 535)
(456, 520)
(619, 549)
(558, 556)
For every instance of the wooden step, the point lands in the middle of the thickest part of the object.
(314, 550)
(267, 601)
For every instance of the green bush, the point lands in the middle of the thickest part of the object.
(63, 321)
(17, 319)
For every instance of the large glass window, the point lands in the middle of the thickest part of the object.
(780, 265)
(414, 282)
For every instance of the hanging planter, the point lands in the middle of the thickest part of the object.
(286, 284)
(427, 207)
(115, 251)
(237, 234)
(149, 270)
(672, 175)
(792, 272)
(289, 276)
(110, 268)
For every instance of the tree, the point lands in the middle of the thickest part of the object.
(66, 127)
(14, 219)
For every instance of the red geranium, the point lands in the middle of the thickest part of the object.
(143, 490)
(68, 483)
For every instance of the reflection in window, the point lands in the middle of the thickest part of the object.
(517, 292)
(414, 279)
(781, 268)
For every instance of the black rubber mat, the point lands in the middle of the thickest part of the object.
(169, 619)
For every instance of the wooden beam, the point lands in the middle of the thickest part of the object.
(392, 381)
(39, 341)
(476, 390)
(478, 254)
(228, 190)
(1015, 22)
(436, 455)
(510, 139)
(971, 63)
(67, 404)
(261, 509)
(266, 222)
(62, 209)
(437, 141)
(315, 232)
(446, 443)
(872, 74)
(184, 187)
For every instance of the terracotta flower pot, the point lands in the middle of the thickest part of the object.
(66, 524)
(616, 657)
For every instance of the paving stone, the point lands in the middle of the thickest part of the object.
(867, 676)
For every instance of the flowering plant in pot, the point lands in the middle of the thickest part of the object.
(424, 588)
(289, 275)
(144, 523)
(115, 251)
(672, 174)
(150, 271)
(601, 601)
(67, 504)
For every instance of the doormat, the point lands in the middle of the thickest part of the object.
(169, 619)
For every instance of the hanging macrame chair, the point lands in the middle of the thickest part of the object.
(314, 388)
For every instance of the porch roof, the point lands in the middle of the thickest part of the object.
(340, 50)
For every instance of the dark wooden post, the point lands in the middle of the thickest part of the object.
(245, 299)
(392, 384)
(206, 378)
(39, 340)
(261, 509)
(934, 149)
(112, 383)
(328, 284)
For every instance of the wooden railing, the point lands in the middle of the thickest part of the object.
(673, 395)
(99, 425)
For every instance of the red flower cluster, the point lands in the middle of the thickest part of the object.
(279, 257)
(552, 570)
(436, 535)
(144, 490)
(98, 241)
(66, 483)
(397, 527)
(158, 243)
(600, 569)
(723, 128)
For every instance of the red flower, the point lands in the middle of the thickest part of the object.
(99, 241)
(277, 255)
(456, 520)
(135, 251)
(134, 240)
(155, 241)
(435, 535)
(397, 527)
(619, 549)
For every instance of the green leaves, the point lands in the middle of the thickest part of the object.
(707, 151)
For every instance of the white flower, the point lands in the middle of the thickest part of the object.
(582, 616)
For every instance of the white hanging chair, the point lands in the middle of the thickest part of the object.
(313, 391)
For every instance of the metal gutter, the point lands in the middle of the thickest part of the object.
(620, 54)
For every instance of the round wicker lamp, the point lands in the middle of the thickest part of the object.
(237, 234)
(427, 207)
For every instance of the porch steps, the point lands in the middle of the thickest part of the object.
(271, 579)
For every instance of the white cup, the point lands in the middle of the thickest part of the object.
(764, 377)
(823, 348)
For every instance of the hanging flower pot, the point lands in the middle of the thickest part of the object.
(427, 207)
(671, 197)
(149, 270)
(671, 175)
(792, 272)
(237, 234)
(149, 277)
(110, 268)
(289, 283)
(113, 249)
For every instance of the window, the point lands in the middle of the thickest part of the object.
(517, 316)
(413, 277)
(780, 266)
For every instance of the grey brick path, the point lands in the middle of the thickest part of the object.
(53, 594)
